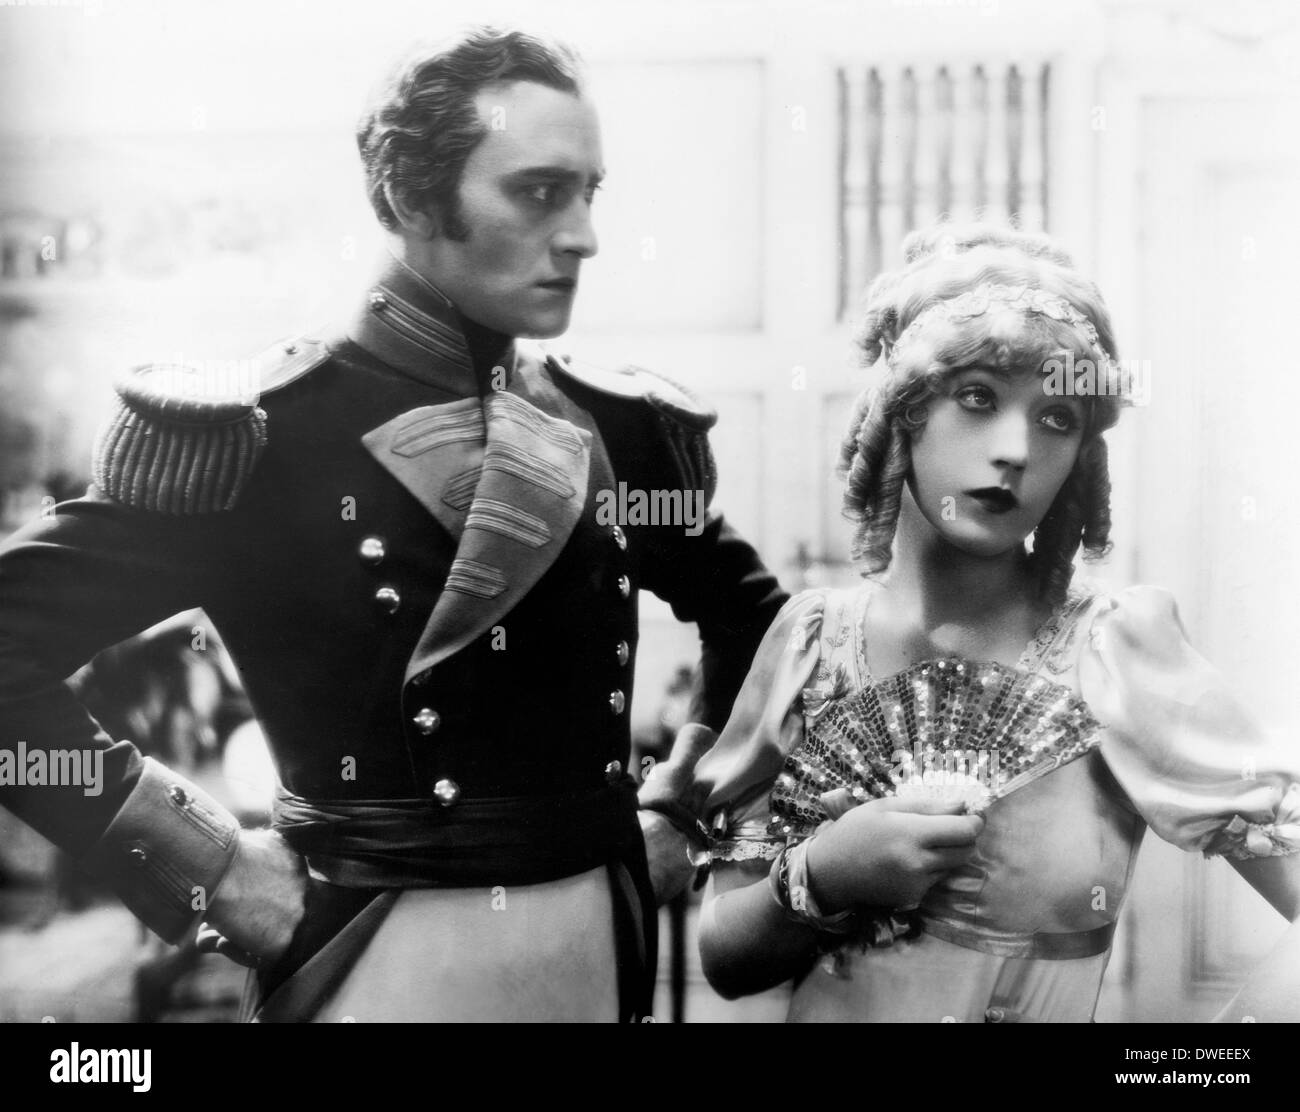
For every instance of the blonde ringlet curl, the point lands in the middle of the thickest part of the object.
(940, 263)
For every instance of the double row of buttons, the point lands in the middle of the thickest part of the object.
(427, 720)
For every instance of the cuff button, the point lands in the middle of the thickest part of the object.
(138, 856)
(178, 795)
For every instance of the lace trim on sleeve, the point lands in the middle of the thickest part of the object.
(1243, 840)
(736, 850)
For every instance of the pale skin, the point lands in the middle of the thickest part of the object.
(526, 195)
(958, 584)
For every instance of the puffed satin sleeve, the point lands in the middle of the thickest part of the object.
(765, 725)
(1194, 762)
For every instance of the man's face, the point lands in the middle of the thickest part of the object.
(526, 197)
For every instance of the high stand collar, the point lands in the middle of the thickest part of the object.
(407, 322)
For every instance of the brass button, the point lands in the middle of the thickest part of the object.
(446, 792)
(994, 1015)
(620, 538)
(291, 349)
(372, 550)
(178, 795)
(624, 586)
(613, 772)
(388, 599)
(617, 701)
(138, 856)
(378, 301)
(624, 653)
(427, 720)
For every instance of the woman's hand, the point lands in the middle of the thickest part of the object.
(260, 903)
(883, 853)
(888, 853)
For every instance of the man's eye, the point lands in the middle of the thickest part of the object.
(543, 194)
(591, 193)
(976, 397)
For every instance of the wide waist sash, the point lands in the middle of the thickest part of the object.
(416, 843)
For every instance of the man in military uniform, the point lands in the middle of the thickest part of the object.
(400, 545)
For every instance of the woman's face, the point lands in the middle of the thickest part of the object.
(994, 452)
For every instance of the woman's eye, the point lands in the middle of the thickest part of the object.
(976, 397)
(1060, 419)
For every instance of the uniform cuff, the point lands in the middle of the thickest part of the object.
(166, 850)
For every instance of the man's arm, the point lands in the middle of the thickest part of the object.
(92, 574)
(657, 437)
(711, 576)
(718, 581)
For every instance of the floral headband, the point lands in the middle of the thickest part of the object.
(1024, 299)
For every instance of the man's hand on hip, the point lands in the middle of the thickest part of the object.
(260, 903)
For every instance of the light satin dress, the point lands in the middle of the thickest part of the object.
(1023, 932)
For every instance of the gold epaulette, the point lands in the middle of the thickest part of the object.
(185, 440)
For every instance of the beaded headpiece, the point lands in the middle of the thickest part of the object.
(1024, 299)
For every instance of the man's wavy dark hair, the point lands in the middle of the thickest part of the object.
(421, 129)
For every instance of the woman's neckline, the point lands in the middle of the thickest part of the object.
(1031, 657)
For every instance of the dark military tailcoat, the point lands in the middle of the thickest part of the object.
(402, 549)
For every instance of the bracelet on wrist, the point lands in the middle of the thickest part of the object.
(790, 888)
(871, 927)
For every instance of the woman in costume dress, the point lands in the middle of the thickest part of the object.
(1076, 718)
